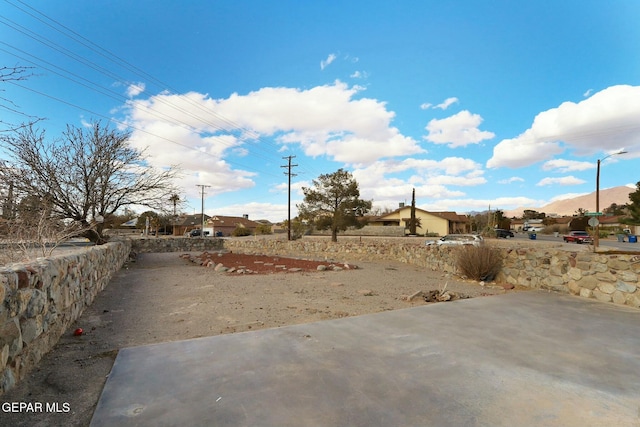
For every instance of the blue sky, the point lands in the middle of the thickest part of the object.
(473, 104)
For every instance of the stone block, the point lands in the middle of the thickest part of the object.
(4, 357)
(633, 300)
(7, 380)
(607, 288)
(606, 277)
(10, 335)
(601, 296)
(36, 303)
(586, 293)
(588, 282)
(618, 264)
(625, 287)
(575, 273)
(618, 297)
(31, 329)
(574, 288)
(583, 265)
(628, 276)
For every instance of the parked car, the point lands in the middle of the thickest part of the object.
(577, 237)
(196, 232)
(503, 234)
(457, 240)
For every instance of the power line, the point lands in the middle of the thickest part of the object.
(222, 123)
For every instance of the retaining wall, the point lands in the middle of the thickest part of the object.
(41, 299)
(175, 244)
(606, 277)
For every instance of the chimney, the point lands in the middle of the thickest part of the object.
(245, 216)
(401, 204)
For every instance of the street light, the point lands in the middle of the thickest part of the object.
(596, 240)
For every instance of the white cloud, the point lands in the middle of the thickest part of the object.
(606, 119)
(209, 137)
(587, 93)
(565, 197)
(565, 180)
(135, 89)
(443, 105)
(323, 121)
(511, 180)
(447, 103)
(381, 182)
(326, 62)
(458, 130)
(359, 75)
(465, 205)
(563, 166)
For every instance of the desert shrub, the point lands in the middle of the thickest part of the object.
(479, 262)
(241, 231)
(263, 229)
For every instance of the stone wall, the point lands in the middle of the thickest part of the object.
(175, 244)
(41, 299)
(606, 277)
(368, 230)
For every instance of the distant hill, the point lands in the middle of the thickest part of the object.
(566, 207)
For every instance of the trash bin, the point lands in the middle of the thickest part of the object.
(532, 236)
(633, 238)
(620, 237)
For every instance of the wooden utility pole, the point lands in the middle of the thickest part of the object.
(202, 187)
(289, 174)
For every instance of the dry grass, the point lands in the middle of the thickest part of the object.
(479, 262)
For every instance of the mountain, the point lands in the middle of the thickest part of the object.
(567, 207)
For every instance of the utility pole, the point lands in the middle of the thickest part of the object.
(202, 187)
(289, 174)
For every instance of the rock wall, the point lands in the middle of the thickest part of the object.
(41, 299)
(175, 244)
(606, 277)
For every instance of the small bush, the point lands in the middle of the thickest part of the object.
(479, 262)
(263, 229)
(241, 231)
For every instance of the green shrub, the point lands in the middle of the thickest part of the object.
(479, 262)
(263, 229)
(241, 231)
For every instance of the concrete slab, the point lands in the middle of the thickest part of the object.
(520, 359)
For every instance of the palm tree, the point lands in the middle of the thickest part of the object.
(174, 199)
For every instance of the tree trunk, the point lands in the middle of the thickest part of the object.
(334, 234)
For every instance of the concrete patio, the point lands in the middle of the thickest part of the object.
(520, 359)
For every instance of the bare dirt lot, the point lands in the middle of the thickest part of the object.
(167, 297)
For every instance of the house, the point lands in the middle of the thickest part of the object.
(186, 223)
(224, 225)
(440, 223)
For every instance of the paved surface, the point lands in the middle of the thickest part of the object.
(522, 359)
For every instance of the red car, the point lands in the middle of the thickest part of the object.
(578, 237)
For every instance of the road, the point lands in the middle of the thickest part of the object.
(610, 244)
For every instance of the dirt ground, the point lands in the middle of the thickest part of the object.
(169, 297)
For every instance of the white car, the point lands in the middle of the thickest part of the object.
(457, 240)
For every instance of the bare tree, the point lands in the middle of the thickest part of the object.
(14, 74)
(85, 176)
(37, 234)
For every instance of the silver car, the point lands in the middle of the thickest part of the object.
(457, 240)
